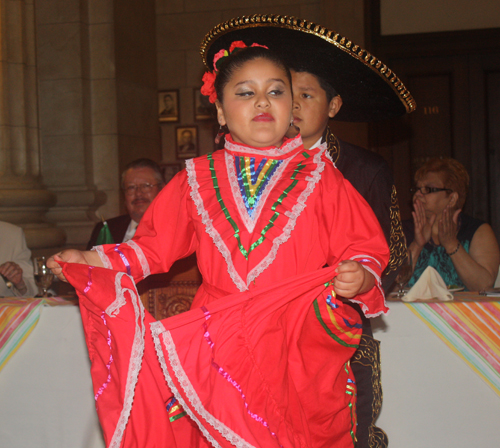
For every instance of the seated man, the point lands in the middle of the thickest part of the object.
(142, 180)
(16, 268)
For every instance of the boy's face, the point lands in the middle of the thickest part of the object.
(311, 110)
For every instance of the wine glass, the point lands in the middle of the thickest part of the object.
(43, 275)
(404, 275)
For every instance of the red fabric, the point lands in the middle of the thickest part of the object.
(336, 224)
(292, 373)
(259, 322)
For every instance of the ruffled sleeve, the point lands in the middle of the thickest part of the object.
(354, 234)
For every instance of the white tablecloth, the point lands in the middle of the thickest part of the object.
(432, 399)
(46, 398)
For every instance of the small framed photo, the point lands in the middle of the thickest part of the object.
(169, 170)
(168, 105)
(186, 142)
(203, 108)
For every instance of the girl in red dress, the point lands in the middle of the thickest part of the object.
(262, 358)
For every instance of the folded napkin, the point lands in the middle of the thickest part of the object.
(430, 285)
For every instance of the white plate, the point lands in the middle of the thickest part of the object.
(459, 288)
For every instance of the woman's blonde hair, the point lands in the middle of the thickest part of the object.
(454, 175)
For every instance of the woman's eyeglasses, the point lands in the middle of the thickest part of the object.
(143, 188)
(428, 190)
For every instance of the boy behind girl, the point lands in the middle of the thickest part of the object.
(315, 103)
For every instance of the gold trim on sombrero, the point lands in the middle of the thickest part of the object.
(305, 26)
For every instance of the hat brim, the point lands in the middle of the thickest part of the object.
(370, 91)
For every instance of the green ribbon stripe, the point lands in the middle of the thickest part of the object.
(328, 331)
(235, 227)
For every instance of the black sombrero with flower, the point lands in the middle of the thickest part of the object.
(370, 90)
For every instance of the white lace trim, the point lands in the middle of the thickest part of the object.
(378, 284)
(293, 215)
(238, 199)
(135, 364)
(364, 308)
(141, 257)
(104, 258)
(157, 328)
(114, 309)
(209, 227)
(289, 146)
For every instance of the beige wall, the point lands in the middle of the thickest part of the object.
(181, 25)
(95, 67)
(97, 103)
(428, 16)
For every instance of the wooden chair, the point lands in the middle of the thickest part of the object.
(165, 295)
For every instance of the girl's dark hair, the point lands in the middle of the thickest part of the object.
(240, 57)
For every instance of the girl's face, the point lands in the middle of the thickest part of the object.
(257, 104)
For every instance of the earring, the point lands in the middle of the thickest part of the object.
(293, 130)
(219, 135)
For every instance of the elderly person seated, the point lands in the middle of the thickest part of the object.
(462, 249)
(16, 269)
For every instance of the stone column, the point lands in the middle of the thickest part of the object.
(23, 199)
(77, 97)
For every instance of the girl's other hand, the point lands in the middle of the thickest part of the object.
(352, 279)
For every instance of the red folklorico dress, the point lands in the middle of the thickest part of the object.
(262, 358)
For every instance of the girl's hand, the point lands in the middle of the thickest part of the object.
(423, 226)
(448, 229)
(68, 256)
(352, 279)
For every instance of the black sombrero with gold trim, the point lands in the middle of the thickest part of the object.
(370, 90)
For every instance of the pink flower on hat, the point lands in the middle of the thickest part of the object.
(208, 79)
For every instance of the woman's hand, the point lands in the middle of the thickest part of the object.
(352, 279)
(72, 256)
(423, 226)
(448, 229)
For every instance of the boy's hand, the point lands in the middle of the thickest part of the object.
(352, 279)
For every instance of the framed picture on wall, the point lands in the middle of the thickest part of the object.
(169, 170)
(203, 109)
(186, 142)
(168, 105)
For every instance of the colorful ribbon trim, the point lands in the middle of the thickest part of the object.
(252, 181)
(272, 220)
(124, 259)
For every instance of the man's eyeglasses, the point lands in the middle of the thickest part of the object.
(428, 190)
(143, 188)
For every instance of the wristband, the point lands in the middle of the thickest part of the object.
(455, 251)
